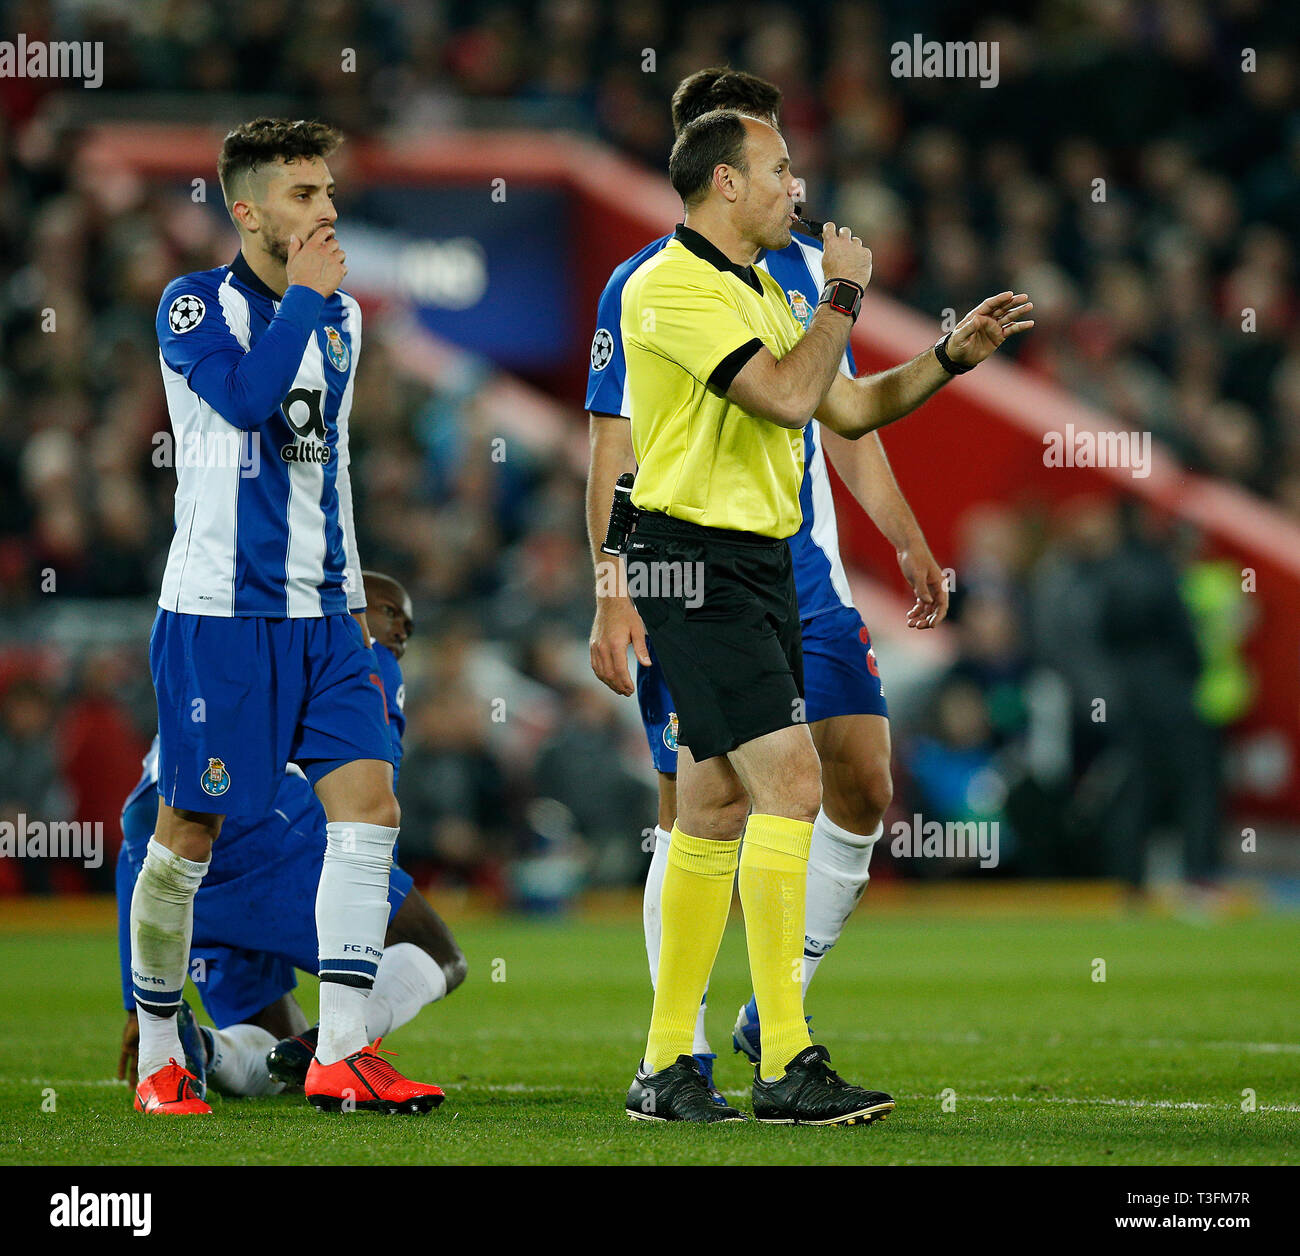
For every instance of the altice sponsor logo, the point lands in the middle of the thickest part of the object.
(59, 839)
(125, 1210)
(39, 59)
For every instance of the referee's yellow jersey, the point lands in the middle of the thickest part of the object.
(691, 319)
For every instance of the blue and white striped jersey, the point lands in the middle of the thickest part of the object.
(820, 582)
(259, 389)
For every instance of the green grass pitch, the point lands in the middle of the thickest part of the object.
(1185, 1054)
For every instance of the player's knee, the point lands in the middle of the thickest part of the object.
(857, 799)
(455, 969)
(874, 794)
(878, 789)
(391, 812)
(379, 807)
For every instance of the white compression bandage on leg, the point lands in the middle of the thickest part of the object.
(162, 921)
(838, 864)
(408, 979)
(238, 1065)
(351, 920)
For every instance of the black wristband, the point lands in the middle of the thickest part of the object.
(941, 352)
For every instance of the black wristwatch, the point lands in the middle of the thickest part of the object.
(843, 295)
(941, 352)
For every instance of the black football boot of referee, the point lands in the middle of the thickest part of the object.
(676, 1093)
(812, 1093)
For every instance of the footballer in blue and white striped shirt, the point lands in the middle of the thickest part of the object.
(260, 652)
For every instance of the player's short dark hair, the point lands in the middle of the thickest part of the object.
(717, 138)
(720, 87)
(267, 140)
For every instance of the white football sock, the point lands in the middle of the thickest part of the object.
(838, 864)
(162, 921)
(408, 979)
(653, 920)
(238, 1065)
(351, 920)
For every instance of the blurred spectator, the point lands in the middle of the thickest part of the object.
(31, 783)
(1109, 617)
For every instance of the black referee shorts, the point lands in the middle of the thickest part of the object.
(721, 612)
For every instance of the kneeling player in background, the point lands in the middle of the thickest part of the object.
(254, 916)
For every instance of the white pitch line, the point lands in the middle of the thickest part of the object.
(521, 1088)
(973, 1038)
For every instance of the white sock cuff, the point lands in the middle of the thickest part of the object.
(363, 843)
(662, 835)
(843, 836)
(842, 855)
(175, 868)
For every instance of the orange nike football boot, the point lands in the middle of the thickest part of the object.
(365, 1082)
(170, 1090)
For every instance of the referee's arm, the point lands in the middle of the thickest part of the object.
(788, 390)
(852, 408)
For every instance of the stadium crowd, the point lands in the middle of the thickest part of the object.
(1170, 304)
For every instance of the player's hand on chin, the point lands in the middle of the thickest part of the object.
(988, 326)
(317, 263)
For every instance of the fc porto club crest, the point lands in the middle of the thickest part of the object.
(336, 349)
(670, 731)
(216, 780)
(799, 304)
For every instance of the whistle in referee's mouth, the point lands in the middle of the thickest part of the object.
(809, 226)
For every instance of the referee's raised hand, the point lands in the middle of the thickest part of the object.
(318, 263)
(844, 256)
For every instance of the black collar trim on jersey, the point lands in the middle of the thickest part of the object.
(244, 273)
(710, 252)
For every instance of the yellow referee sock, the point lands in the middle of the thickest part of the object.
(773, 888)
(693, 906)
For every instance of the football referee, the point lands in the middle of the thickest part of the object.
(722, 379)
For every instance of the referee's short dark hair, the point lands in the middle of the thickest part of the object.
(720, 87)
(713, 139)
